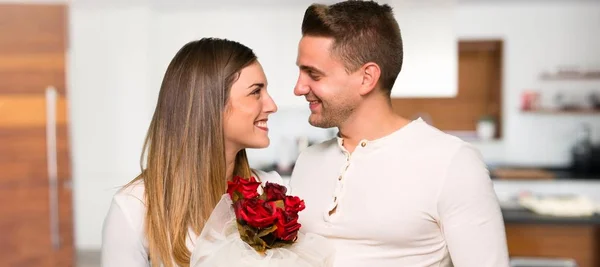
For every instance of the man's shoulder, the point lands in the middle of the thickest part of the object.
(319, 149)
(431, 139)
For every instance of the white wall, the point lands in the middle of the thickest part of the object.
(272, 32)
(430, 62)
(107, 80)
(537, 36)
(118, 55)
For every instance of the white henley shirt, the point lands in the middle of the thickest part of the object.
(415, 198)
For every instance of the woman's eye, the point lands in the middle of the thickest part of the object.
(256, 92)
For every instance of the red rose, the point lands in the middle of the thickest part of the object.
(246, 187)
(293, 204)
(256, 212)
(287, 225)
(275, 191)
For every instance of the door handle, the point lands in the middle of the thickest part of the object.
(51, 157)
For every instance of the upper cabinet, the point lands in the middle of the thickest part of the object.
(430, 67)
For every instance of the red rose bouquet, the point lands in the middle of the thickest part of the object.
(253, 226)
(268, 220)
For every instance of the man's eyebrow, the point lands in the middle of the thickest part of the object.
(312, 69)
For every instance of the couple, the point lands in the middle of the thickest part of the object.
(386, 191)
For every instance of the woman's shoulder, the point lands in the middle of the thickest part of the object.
(133, 192)
(129, 200)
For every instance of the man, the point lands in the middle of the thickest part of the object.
(387, 191)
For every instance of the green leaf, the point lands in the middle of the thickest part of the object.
(267, 231)
(249, 235)
(280, 204)
(237, 196)
(281, 244)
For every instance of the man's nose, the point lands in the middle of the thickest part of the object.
(301, 89)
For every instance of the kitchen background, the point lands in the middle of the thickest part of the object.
(519, 79)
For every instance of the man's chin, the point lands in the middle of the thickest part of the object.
(317, 121)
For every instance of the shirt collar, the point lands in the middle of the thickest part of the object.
(371, 145)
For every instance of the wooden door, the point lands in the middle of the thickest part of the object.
(36, 224)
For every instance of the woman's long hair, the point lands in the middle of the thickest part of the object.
(184, 150)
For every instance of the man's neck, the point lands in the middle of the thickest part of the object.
(372, 120)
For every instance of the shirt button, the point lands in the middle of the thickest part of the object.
(340, 178)
(363, 144)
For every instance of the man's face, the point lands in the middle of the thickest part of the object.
(332, 93)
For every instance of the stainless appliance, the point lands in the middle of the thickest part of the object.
(541, 262)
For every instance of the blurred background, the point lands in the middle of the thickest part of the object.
(519, 79)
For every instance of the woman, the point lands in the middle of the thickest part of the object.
(213, 104)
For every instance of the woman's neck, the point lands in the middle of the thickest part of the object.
(230, 162)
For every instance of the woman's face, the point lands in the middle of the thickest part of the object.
(247, 110)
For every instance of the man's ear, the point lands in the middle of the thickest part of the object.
(370, 77)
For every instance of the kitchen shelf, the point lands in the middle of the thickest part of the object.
(569, 77)
(565, 111)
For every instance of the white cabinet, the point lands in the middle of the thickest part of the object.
(430, 67)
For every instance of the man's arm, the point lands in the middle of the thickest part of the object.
(470, 216)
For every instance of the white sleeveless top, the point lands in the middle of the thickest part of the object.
(123, 239)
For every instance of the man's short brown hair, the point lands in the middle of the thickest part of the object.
(363, 31)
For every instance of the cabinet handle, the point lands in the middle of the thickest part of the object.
(51, 155)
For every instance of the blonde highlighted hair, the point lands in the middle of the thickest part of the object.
(184, 151)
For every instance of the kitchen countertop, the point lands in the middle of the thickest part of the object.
(556, 173)
(522, 216)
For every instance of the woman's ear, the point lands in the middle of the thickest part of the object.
(370, 77)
